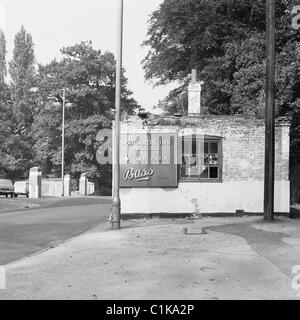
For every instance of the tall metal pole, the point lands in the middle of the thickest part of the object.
(269, 115)
(63, 142)
(116, 202)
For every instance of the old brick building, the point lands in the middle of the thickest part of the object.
(199, 164)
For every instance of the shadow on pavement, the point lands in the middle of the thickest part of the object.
(265, 243)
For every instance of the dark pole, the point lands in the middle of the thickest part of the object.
(269, 115)
(116, 203)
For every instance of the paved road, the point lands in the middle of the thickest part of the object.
(25, 232)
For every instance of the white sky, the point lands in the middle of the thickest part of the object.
(54, 24)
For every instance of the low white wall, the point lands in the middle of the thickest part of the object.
(189, 197)
(51, 188)
(90, 188)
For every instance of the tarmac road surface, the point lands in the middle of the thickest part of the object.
(25, 232)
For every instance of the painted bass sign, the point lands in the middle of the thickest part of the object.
(148, 160)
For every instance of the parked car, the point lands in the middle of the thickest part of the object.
(6, 187)
(21, 188)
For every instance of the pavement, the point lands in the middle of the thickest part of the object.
(209, 258)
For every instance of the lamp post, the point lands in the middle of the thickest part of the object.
(63, 142)
(116, 202)
(269, 115)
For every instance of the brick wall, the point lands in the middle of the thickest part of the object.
(243, 142)
(242, 187)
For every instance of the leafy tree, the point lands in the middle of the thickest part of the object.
(184, 34)
(16, 107)
(225, 41)
(22, 73)
(175, 102)
(4, 91)
(6, 161)
(3, 70)
(217, 37)
(89, 79)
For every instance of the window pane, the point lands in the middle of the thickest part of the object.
(187, 146)
(193, 160)
(201, 159)
(204, 174)
(194, 171)
(213, 147)
(184, 172)
(213, 173)
(194, 144)
(213, 160)
(206, 159)
(185, 160)
(205, 147)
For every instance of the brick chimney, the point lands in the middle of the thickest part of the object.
(194, 108)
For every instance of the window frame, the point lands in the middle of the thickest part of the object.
(207, 139)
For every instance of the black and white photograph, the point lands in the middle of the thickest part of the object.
(150, 152)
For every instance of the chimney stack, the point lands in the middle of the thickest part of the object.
(194, 75)
(194, 95)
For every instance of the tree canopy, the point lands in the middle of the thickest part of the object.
(88, 76)
(15, 106)
(225, 41)
(3, 70)
(31, 109)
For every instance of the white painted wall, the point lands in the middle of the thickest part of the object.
(243, 170)
(51, 187)
(90, 188)
(226, 197)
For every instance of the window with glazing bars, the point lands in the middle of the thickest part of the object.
(201, 158)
